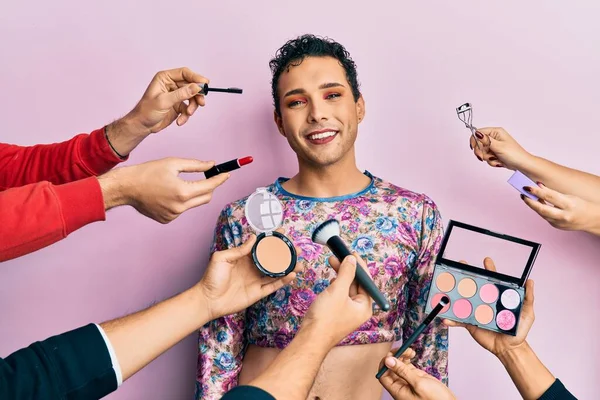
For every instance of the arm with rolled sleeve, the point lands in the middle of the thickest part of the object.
(432, 346)
(49, 191)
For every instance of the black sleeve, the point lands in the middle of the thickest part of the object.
(71, 366)
(247, 392)
(557, 392)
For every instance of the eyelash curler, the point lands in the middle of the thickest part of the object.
(465, 114)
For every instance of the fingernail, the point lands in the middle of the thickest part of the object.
(493, 158)
(352, 260)
(470, 145)
(523, 197)
(527, 189)
(479, 135)
(540, 184)
(390, 362)
(480, 159)
(500, 166)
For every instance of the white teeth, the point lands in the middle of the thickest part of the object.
(321, 135)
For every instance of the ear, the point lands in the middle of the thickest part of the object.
(279, 123)
(360, 108)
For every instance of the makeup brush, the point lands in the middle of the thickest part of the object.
(204, 89)
(328, 234)
(443, 302)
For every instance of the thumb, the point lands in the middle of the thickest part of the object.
(192, 165)
(404, 371)
(236, 253)
(346, 273)
(177, 96)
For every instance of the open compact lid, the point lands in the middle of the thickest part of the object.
(264, 211)
(466, 246)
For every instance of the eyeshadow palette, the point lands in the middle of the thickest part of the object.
(484, 298)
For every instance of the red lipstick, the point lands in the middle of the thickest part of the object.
(228, 166)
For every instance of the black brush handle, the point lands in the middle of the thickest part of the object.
(340, 250)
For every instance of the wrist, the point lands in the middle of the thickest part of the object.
(201, 306)
(512, 355)
(114, 189)
(319, 334)
(125, 134)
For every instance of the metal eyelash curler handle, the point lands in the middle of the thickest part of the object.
(465, 114)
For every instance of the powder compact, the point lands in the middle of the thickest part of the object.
(487, 299)
(273, 253)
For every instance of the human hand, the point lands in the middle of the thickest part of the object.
(163, 102)
(232, 282)
(498, 148)
(155, 189)
(403, 381)
(499, 343)
(342, 307)
(564, 211)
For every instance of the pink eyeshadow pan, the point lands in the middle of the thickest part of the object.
(436, 299)
(462, 308)
(506, 320)
(488, 293)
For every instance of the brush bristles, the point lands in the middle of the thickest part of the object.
(326, 231)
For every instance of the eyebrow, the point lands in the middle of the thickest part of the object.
(323, 86)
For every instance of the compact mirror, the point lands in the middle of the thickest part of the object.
(273, 253)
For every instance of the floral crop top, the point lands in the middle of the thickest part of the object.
(398, 234)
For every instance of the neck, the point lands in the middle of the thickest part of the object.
(339, 179)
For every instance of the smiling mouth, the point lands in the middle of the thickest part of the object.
(322, 137)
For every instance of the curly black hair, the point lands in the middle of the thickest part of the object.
(294, 51)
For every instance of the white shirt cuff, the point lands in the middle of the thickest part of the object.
(113, 356)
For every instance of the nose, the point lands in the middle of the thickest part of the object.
(316, 112)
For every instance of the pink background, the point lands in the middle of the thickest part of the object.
(70, 66)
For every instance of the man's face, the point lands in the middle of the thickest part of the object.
(319, 116)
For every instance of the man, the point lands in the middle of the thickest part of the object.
(49, 191)
(318, 106)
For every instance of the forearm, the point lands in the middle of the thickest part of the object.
(562, 179)
(126, 134)
(527, 372)
(141, 337)
(82, 156)
(38, 215)
(292, 373)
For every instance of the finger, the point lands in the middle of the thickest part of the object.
(184, 74)
(355, 288)
(488, 264)
(192, 165)
(277, 284)
(334, 263)
(454, 324)
(545, 211)
(463, 262)
(346, 274)
(529, 297)
(206, 186)
(191, 109)
(236, 253)
(406, 372)
(553, 197)
(169, 99)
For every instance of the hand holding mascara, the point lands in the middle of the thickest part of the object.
(443, 302)
(328, 234)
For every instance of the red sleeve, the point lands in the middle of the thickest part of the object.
(36, 215)
(83, 156)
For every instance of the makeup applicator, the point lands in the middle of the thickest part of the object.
(443, 303)
(328, 234)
